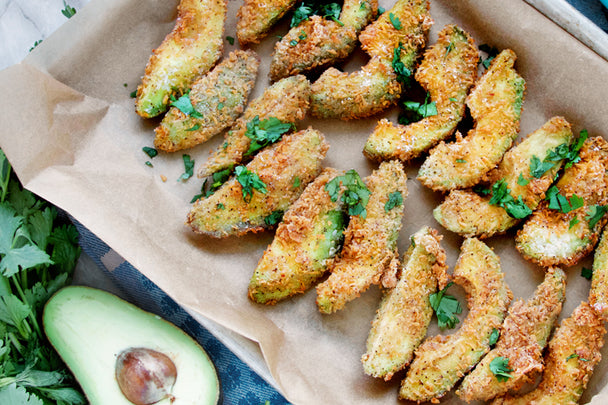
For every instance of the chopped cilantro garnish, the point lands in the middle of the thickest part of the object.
(501, 196)
(395, 199)
(230, 40)
(538, 168)
(381, 10)
(148, 163)
(133, 94)
(249, 181)
(395, 21)
(595, 214)
(404, 75)
(184, 104)
(414, 111)
(220, 206)
(151, 152)
(195, 127)
(587, 273)
(491, 51)
(446, 307)
(300, 14)
(296, 182)
(273, 218)
(356, 194)
(68, 11)
(308, 9)
(188, 168)
(561, 203)
(494, 337)
(499, 366)
(575, 356)
(461, 161)
(522, 181)
(38, 42)
(573, 222)
(265, 132)
(218, 178)
(293, 42)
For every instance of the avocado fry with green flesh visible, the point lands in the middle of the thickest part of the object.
(256, 17)
(470, 214)
(306, 240)
(598, 295)
(318, 41)
(217, 99)
(447, 72)
(523, 336)
(370, 243)
(287, 100)
(442, 360)
(495, 103)
(375, 87)
(231, 212)
(187, 52)
(573, 352)
(563, 236)
(405, 311)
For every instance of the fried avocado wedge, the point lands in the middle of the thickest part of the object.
(370, 240)
(267, 185)
(573, 352)
(306, 240)
(287, 100)
(213, 104)
(598, 295)
(524, 335)
(447, 72)
(495, 103)
(405, 311)
(375, 87)
(522, 178)
(256, 17)
(317, 41)
(442, 360)
(187, 52)
(567, 225)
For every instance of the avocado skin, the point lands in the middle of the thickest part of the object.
(90, 327)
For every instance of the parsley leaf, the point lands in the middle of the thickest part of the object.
(538, 168)
(395, 199)
(188, 168)
(499, 366)
(184, 104)
(575, 356)
(494, 337)
(404, 75)
(151, 152)
(307, 9)
(68, 11)
(522, 181)
(492, 53)
(218, 178)
(249, 181)
(446, 307)
(395, 21)
(274, 218)
(501, 196)
(587, 273)
(595, 214)
(230, 40)
(415, 111)
(356, 194)
(561, 203)
(265, 132)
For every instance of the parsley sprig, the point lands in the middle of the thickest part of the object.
(446, 308)
(309, 8)
(217, 179)
(184, 104)
(562, 203)
(404, 75)
(249, 181)
(395, 199)
(355, 195)
(501, 196)
(38, 253)
(415, 111)
(499, 366)
(265, 132)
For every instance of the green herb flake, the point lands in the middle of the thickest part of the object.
(195, 127)
(293, 42)
(501, 196)
(499, 366)
(446, 307)
(492, 53)
(188, 168)
(68, 11)
(395, 199)
(461, 161)
(220, 206)
(575, 356)
(184, 104)
(538, 168)
(306, 10)
(148, 163)
(404, 75)
(230, 40)
(151, 152)
(303, 12)
(35, 45)
(414, 111)
(587, 273)
(573, 222)
(494, 337)
(296, 182)
(453, 99)
(249, 181)
(355, 196)
(133, 94)
(522, 181)
(274, 218)
(217, 179)
(595, 214)
(265, 132)
(395, 21)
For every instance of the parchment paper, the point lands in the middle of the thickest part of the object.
(70, 131)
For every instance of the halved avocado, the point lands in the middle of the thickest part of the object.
(89, 328)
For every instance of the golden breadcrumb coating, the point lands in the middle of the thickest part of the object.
(598, 295)
(188, 51)
(552, 238)
(470, 214)
(374, 88)
(228, 213)
(405, 311)
(218, 99)
(370, 243)
(256, 17)
(523, 336)
(317, 42)
(442, 360)
(574, 351)
(495, 103)
(287, 100)
(309, 235)
(447, 72)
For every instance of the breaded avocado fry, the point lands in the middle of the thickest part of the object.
(526, 171)
(256, 18)
(318, 41)
(375, 87)
(574, 351)
(308, 237)
(447, 72)
(370, 242)
(567, 225)
(598, 295)
(287, 100)
(217, 99)
(524, 335)
(495, 103)
(187, 52)
(442, 360)
(267, 185)
(405, 311)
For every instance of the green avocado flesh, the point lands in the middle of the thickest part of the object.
(89, 328)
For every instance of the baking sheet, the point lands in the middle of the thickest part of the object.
(70, 131)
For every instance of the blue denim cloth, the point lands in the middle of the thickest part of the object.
(239, 384)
